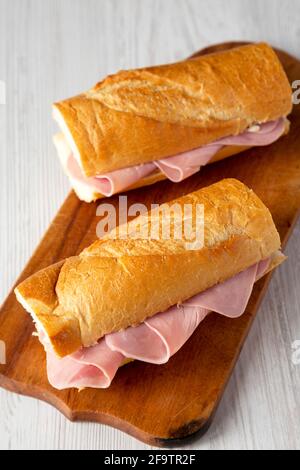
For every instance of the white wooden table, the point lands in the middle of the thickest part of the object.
(52, 49)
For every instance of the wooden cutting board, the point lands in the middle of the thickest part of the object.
(159, 405)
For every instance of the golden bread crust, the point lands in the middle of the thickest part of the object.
(142, 115)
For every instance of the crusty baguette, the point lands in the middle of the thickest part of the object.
(117, 283)
(142, 115)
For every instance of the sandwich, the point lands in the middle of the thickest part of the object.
(138, 298)
(141, 126)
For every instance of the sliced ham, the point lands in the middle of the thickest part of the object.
(262, 268)
(93, 367)
(158, 338)
(111, 183)
(185, 164)
(229, 298)
(175, 168)
(155, 340)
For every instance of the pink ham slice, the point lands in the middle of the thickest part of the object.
(90, 367)
(110, 183)
(155, 340)
(229, 298)
(113, 182)
(185, 164)
(165, 333)
(175, 168)
(181, 166)
(158, 338)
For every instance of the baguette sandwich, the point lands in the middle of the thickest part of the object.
(140, 126)
(142, 298)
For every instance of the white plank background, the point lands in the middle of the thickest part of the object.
(55, 48)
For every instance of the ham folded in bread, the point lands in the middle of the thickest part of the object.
(102, 308)
(171, 116)
(155, 340)
(176, 168)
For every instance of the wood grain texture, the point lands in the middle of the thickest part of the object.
(42, 45)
